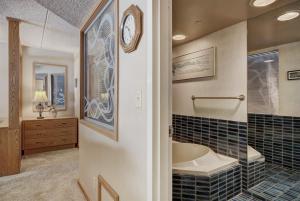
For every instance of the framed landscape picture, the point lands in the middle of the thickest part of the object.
(293, 75)
(193, 65)
(99, 70)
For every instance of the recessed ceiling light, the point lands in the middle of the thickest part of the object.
(261, 3)
(289, 15)
(269, 61)
(179, 37)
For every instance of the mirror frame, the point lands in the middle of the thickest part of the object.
(66, 83)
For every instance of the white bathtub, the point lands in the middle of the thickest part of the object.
(252, 154)
(199, 159)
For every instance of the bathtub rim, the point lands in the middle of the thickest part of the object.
(182, 170)
(206, 174)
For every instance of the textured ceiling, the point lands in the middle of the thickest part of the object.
(197, 18)
(73, 11)
(40, 27)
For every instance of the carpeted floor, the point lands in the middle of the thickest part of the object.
(50, 176)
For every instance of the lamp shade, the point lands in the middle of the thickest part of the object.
(40, 97)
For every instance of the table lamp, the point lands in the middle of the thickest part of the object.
(40, 98)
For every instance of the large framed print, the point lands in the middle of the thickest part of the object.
(192, 65)
(99, 70)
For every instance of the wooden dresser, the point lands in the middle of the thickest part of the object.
(48, 134)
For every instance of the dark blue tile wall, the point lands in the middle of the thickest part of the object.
(220, 186)
(256, 172)
(276, 137)
(225, 137)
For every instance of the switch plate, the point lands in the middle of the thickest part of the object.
(138, 100)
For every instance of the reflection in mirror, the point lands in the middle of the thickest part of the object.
(51, 78)
(274, 104)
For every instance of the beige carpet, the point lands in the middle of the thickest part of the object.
(50, 176)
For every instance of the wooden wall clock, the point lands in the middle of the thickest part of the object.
(131, 28)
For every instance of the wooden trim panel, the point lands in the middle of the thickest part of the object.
(83, 191)
(105, 185)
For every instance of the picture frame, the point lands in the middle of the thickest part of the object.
(198, 64)
(293, 75)
(99, 61)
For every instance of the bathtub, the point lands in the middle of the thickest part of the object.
(252, 154)
(199, 160)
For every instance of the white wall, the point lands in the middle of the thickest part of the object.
(4, 69)
(289, 96)
(31, 55)
(77, 89)
(4, 80)
(230, 79)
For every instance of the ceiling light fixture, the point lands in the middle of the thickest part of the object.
(269, 61)
(179, 37)
(289, 15)
(261, 3)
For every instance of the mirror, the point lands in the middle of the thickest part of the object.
(52, 79)
(274, 102)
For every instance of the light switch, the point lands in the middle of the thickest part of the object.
(138, 100)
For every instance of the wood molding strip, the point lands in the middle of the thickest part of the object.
(103, 183)
(83, 191)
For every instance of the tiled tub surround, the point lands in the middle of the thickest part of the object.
(220, 186)
(256, 172)
(224, 137)
(276, 137)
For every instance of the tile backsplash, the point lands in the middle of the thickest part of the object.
(224, 137)
(276, 137)
(220, 186)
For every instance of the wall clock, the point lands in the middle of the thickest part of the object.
(131, 28)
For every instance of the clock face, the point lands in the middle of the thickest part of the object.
(128, 30)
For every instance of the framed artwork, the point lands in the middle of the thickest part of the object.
(99, 70)
(293, 75)
(192, 65)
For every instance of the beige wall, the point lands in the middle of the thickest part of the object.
(289, 96)
(31, 55)
(124, 163)
(230, 79)
(4, 80)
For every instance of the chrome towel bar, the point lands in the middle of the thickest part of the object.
(240, 97)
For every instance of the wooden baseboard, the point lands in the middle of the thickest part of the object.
(83, 191)
(45, 149)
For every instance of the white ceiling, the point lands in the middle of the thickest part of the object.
(73, 11)
(40, 27)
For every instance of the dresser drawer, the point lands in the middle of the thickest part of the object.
(63, 123)
(48, 142)
(46, 133)
(49, 124)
